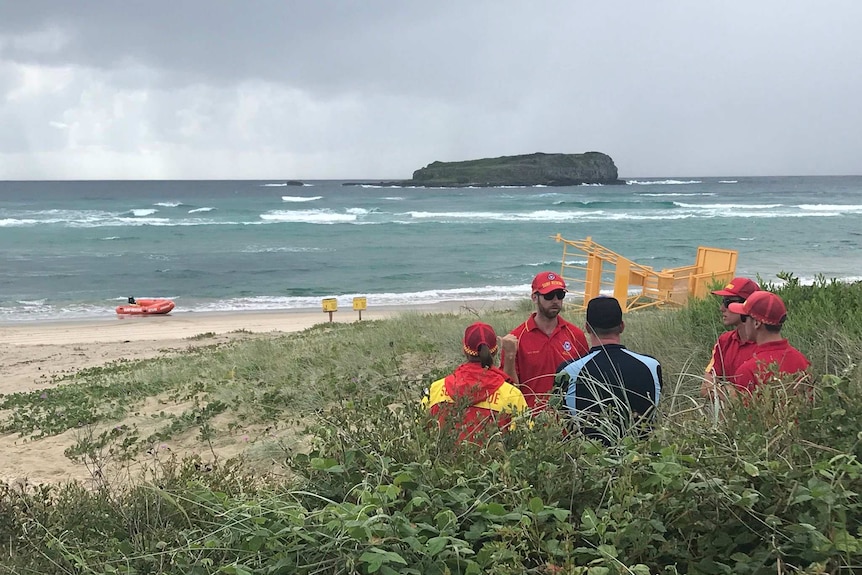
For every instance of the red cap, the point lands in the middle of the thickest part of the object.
(763, 306)
(739, 287)
(546, 282)
(477, 334)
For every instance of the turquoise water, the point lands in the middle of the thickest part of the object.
(77, 249)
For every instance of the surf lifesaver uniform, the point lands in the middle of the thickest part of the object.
(728, 354)
(477, 401)
(539, 355)
(771, 361)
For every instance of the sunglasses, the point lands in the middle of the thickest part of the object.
(556, 294)
(726, 301)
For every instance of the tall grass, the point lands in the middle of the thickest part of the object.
(375, 487)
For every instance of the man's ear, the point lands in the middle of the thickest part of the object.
(622, 326)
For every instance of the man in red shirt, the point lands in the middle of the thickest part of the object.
(774, 357)
(533, 350)
(731, 350)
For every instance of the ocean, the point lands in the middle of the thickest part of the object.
(77, 249)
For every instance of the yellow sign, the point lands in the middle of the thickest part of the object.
(330, 304)
(359, 303)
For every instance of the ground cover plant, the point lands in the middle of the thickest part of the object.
(357, 481)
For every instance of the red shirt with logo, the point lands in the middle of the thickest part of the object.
(539, 355)
(770, 360)
(729, 353)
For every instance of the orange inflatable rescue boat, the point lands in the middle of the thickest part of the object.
(146, 307)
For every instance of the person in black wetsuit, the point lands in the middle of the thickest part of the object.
(611, 391)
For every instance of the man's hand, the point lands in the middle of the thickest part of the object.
(708, 387)
(509, 345)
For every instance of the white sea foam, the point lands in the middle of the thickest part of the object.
(728, 182)
(551, 216)
(282, 249)
(544, 195)
(662, 182)
(18, 222)
(360, 211)
(393, 198)
(143, 212)
(674, 194)
(308, 217)
(374, 216)
(847, 208)
(728, 206)
(122, 221)
(281, 185)
(300, 198)
(345, 301)
(168, 204)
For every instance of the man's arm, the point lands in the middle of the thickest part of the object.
(509, 345)
(708, 387)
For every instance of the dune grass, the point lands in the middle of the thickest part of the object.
(350, 478)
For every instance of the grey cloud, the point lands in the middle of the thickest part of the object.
(665, 87)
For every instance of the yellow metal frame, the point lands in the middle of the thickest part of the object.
(637, 286)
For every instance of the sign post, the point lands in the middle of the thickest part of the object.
(359, 304)
(330, 305)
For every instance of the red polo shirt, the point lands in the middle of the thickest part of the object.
(729, 353)
(760, 368)
(539, 356)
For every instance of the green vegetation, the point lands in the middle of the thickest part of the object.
(524, 170)
(350, 478)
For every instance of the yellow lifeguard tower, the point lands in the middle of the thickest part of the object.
(637, 286)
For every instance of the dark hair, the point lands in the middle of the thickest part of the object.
(606, 331)
(486, 358)
(772, 328)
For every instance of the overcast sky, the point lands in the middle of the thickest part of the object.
(378, 88)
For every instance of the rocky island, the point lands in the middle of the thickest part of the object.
(525, 170)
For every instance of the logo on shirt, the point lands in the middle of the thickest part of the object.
(567, 346)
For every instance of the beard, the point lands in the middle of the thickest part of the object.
(549, 312)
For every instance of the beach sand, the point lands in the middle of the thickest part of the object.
(35, 354)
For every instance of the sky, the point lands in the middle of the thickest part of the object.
(375, 89)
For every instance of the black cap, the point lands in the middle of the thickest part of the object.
(604, 312)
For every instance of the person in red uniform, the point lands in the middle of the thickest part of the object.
(533, 350)
(478, 393)
(774, 357)
(731, 350)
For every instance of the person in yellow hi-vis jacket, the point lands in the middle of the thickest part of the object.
(480, 395)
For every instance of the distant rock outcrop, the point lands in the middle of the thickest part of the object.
(526, 170)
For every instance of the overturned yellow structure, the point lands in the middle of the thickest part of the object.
(637, 286)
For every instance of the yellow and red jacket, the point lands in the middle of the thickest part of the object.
(480, 397)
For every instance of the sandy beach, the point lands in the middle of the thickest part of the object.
(36, 354)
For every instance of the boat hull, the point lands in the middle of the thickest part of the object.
(147, 307)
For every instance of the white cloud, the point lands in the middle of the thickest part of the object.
(334, 90)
